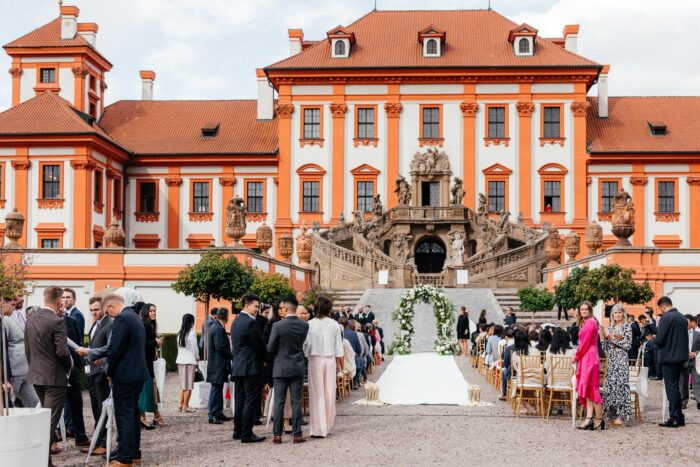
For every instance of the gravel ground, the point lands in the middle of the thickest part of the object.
(421, 435)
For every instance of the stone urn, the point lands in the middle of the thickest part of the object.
(263, 238)
(572, 244)
(552, 246)
(594, 237)
(623, 212)
(235, 220)
(304, 247)
(285, 245)
(14, 226)
(114, 235)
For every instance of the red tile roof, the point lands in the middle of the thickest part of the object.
(626, 129)
(49, 36)
(47, 114)
(475, 38)
(175, 127)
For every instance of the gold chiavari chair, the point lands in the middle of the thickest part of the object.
(559, 381)
(635, 369)
(529, 384)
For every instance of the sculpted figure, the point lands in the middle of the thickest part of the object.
(482, 210)
(401, 242)
(457, 250)
(503, 225)
(377, 208)
(457, 192)
(359, 224)
(404, 191)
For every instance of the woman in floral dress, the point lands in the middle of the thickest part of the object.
(617, 340)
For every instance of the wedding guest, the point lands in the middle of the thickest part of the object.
(491, 349)
(97, 380)
(73, 406)
(364, 351)
(463, 331)
(17, 358)
(68, 301)
(617, 340)
(543, 340)
(148, 397)
(633, 354)
(380, 332)
(303, 313)
(534, 338)
(206, 325)
(510, 318)
(354, 340)
(672, 347)
(126, 370)
(324, 348)
(187, 360)
(588, 368)
(520, 346)
(560, 346)
(690, 372)
(287, 345)
(49, 361)
(249, 355)
(19, 314)
(218, 366)
(482, 317)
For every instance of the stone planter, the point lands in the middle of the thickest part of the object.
(623, 232)
(24, 437)
(14, 226)
(552, 246)
(114, 235)
(572, 244)
(594, 237)
(263, 238)
(285, 245)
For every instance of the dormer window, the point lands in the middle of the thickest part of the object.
(432, 39)
(210, 130)
(657, 128)
(523, 39)
(341, 42)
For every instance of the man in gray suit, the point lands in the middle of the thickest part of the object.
(46, 347)
(287, 345)
(14, 333)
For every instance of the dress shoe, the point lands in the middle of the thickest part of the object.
(147, 426)
(236, 435)
(70, 434)
(670, 424)
(55, 449)
(299, 439)
(216, 421)
(83, 443)
(276, 439)
(253, 439)
(304, 422)
(98, 451)
(116, 463)
(225, 418)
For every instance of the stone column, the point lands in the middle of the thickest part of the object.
(284, 115)
(16, 73)
(82, 202)
(338, 160)
(525, 109)
(469, 110)
(173, 229)
(693, 211)
(393, 114)
(638, 184)
(580, 188)
(21, 195)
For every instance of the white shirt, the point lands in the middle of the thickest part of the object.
(188, 355)
(324, 339)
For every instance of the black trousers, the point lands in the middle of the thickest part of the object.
(247, 394)
(99, 392)
(566, 313)
(73, 407)
(295, 386)
(126, 412)
(672, 375)
(216, 401)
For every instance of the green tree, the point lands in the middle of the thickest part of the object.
(214, 276)
(534, 299)
(612, 282)
(270, 287)
(311, 294)
(565, 291)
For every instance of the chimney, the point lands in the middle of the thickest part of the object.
(69, 21)
(88, 31)
(266, 96)
(147, 79)
(571, 37)
(603, 92)
(296, 37)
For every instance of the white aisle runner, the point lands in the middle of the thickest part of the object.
(423, 378)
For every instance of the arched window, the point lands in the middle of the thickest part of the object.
(339, 48)
(431, 48)
(524, 46)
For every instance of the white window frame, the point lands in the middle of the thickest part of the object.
(516, 46)
(347, 48)
(425, 47)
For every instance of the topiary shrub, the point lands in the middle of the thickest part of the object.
(270, 287)
(534, 299)
(311, 294)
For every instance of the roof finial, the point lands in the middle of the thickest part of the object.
(375, 5)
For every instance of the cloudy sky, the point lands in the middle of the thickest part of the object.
(210, 49)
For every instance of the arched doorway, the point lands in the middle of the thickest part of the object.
(430, 255)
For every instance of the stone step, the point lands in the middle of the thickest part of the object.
(347, 244)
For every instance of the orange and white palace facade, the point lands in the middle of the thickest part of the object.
(334, 124)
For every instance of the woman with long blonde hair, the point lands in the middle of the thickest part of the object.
(617, 340)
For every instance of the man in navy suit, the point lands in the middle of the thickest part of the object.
(249, 354)
(71, 311)
(68, 301)
(219, 366)
(73, 405)
(126, 370)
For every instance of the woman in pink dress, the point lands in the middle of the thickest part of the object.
(588, 368)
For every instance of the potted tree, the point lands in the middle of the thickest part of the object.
(534, 299)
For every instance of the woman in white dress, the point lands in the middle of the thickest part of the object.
(187, 359)
(324, 349)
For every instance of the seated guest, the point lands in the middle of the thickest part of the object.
(354, 340)
(534, 338)
(491, 350)
(560, 346)
(520, 346)
(545, 338)
(187, 360)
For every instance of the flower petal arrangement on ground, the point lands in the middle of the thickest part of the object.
(445, 342)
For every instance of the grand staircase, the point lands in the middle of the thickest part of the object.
(348, 297)
(509, 297)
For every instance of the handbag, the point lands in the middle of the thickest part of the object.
(198, 375)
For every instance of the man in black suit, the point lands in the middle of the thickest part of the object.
(262, 322)
(97, 379)
(689, 369)
(73, 406)
(126, 370)
(287, 345)
(68, 302)
(219, 366)
(672, 346)
(249, 353)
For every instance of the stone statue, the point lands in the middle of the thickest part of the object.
(482, 210)
(401, 243)
(520, 218)
(341, 220)
(304, 246)
(503, 224)
(315, 227)
(457, 250)
(623, 218)
(235, 220)
(431, 161)
(359, 223)
(404, 191)
(457, 192)
(377, 208)
(373, 237)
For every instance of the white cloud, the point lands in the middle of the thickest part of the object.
(210, 49)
